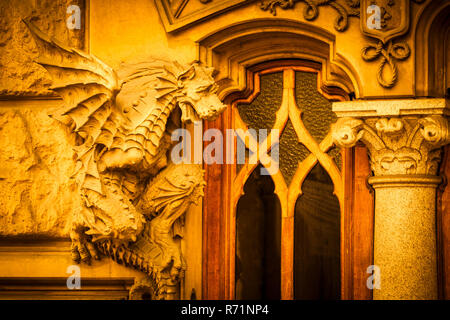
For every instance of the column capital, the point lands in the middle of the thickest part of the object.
(403, 136)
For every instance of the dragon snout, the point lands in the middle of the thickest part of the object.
(211, 107)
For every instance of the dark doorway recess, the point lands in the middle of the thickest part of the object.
(316, 239)
(258, 236)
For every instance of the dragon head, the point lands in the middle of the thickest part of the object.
(190, 87)
(196, 96)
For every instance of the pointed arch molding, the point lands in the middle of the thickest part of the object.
(238, 53)
(232, 50)
(393, 22)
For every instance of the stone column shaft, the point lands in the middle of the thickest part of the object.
(405, 236)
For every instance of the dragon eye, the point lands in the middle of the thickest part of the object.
(210, 88)
(214, 88)
(204, 88)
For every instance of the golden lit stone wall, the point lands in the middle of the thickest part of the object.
(19, 75)
(39, 196)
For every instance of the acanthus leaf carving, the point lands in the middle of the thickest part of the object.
(122, 121)
(391, 126)
(399, 145)
(347, 133)
(434, 129)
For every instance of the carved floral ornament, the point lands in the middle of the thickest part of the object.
(399, 145)
(394, 20)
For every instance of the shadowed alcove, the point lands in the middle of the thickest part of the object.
(316, 234)
(258, 236)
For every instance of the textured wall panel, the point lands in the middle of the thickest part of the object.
(19, 75)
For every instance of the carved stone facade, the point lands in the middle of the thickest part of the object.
(132, 194)
(86, 117)
(394, 21)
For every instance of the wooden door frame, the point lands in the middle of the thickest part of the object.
(443, 228)
(357, 229)
(219, 220)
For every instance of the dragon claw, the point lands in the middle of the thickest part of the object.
(82, 248)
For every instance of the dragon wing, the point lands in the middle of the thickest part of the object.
(88, 87)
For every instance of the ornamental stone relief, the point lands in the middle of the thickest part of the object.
(133, 198)
(407, 145)
(381, 20)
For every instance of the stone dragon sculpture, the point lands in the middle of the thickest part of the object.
(122, 122)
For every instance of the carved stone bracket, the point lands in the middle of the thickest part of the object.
(134, 198)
